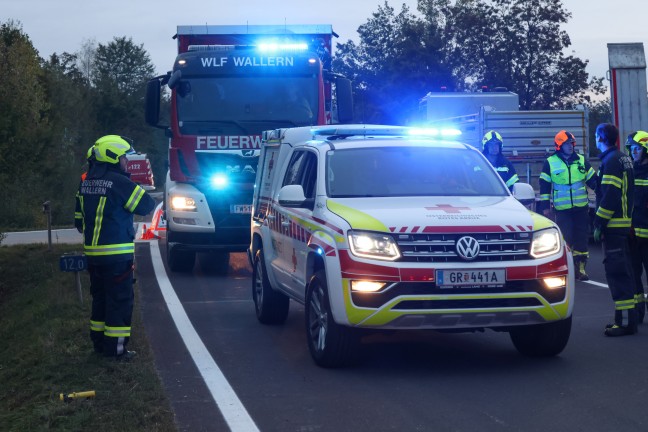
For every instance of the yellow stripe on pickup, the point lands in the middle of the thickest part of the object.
(356, 218)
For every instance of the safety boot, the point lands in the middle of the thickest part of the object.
(581, 275)
(616, 330)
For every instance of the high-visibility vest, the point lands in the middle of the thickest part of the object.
(568, 182)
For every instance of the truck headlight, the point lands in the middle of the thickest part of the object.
(373, 245)
(182, 203)
(545, 243)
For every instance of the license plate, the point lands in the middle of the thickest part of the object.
(471, 278)
(241, 208)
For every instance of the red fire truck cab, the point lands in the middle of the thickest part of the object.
(228, 84)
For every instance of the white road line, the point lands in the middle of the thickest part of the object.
(598, 284)
(235, 414)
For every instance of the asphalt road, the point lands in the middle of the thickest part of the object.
(236, 374)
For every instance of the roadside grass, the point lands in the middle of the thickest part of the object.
(45, 350)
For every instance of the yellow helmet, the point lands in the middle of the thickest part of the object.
(492, 137)
(639, 138)
(110, 148)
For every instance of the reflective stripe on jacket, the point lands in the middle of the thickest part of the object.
(640, 211)
(566, 180)
(107, 200)
(615, 191)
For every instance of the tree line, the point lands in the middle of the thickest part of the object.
(52, 110)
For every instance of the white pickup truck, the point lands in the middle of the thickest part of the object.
(377, 227)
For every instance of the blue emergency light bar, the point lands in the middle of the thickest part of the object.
(393, 131)
(279, 46)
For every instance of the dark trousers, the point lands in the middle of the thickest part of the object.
(112, 306)
(619, 273)
(639, 254)
(574, 225)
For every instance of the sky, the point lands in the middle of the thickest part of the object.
(64, 25)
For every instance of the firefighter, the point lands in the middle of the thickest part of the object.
(564, 178)
(637, 144)
(492, 144)
(614, 204)
(108, 199)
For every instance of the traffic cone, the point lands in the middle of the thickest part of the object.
(146, 233)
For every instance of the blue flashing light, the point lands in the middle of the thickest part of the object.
(219, 181)
(320, 250)
(444, 132)
(281, 46)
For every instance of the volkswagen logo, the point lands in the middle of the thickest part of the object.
(247, 153)
(467, 248)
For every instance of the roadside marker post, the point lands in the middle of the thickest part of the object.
(74, 262)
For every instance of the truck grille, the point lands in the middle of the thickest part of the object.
(440, 248)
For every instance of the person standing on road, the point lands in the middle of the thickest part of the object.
(107, 200)
(612, 224)
(565, 177)
(492, 144)
(637, 144)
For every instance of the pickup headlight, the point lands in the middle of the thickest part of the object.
(373, 245)
(545, 243)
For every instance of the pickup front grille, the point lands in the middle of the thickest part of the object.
(442, 248)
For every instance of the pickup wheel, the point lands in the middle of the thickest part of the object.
(179, 260)
(330, 344)
(271, 306)
(542, 340)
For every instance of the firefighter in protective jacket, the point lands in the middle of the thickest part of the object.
(564, 178)
(492, 144)
(637, 144)
(106, 202)
(612, 224)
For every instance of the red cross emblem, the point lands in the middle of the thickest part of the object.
(447, 208)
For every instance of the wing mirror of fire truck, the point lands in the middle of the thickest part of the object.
(152, 102)
(174, 79)
(293, 196)
(344, 97)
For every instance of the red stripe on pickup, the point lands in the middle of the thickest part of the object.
(357, 270)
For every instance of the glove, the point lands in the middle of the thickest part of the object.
(597, 234)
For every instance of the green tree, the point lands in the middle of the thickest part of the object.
(120, 72)
(398, 59)
(22, 121)
(517, 44)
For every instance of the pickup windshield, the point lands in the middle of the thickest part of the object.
(410, 171)
(245, 105)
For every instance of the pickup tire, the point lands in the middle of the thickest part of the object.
(542, 340)
(271, 306)
(330, 344)
(179, 260)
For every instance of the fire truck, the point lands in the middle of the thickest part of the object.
(227, 85)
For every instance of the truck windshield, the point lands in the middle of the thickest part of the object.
(245, 105)
(410, 171)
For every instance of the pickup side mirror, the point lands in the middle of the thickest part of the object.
(524, 193)
(293, 196)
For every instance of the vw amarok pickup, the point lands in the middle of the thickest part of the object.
(376, 227)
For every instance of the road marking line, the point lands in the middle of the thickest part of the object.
(598, 284)
(235, 414)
